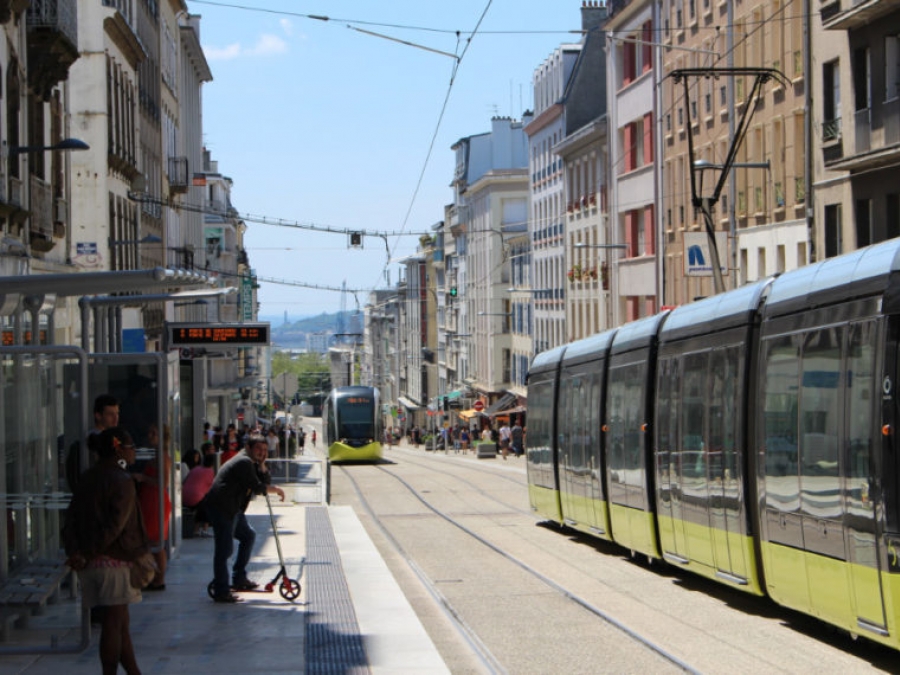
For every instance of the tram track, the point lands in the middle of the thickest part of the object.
(427, 465)
(482, 652)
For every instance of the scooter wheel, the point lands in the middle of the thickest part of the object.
(211, 589)
(289, 589)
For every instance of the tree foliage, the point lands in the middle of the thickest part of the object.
(311, 370)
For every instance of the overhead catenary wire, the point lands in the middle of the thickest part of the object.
(613, 35)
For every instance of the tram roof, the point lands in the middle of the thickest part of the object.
(638, 334)
(547, 360)
(589, 348)
(717, 313)
(865, 271)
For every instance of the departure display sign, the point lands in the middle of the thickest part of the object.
(218, 334)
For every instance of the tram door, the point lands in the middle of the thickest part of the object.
(861, 405)
(573, 484)
(727, 502)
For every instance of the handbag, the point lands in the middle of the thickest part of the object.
(143, 569)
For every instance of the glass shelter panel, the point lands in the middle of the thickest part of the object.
(37, 396)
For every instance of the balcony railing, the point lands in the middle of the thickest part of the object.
(179, 180)
(56, 15)
(52, 43)
(831, 130)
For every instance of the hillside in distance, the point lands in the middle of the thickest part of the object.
(295, 334)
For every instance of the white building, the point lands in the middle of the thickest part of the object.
(547, 212)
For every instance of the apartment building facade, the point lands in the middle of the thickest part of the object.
(855, 127)
(634, 191)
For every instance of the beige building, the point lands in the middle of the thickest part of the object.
(855, 129)
(761, 212)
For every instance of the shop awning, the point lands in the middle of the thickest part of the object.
(469, 414)
(512, 411)
(409, 405)
(501, 405)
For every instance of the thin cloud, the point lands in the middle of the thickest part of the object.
(287, 26)
(266, 45)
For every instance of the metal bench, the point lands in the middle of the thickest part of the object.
(29, 591)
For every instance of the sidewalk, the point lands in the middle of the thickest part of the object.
(180, 630)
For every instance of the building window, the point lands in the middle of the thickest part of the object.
(864, 234)
(831, 101)
(862, 81)
(892, 219)
(891, 67)
(833, 239)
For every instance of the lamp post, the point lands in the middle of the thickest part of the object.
(67, 144)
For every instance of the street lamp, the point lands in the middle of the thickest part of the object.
(149, 239)
(65, 144)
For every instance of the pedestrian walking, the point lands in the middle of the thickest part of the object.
(505, 435)
(107, 546)
(517, 434)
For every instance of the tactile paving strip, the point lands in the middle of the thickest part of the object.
(333, 642)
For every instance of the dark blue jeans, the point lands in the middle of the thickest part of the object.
(226, 531)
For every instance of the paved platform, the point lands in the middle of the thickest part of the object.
(350, 617)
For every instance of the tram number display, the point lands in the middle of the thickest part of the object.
(358, 400)
(193, 335)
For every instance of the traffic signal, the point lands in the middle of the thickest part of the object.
(446, 404)
(453, 292)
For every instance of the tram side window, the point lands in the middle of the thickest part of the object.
(780, 390)
(576, 440)
(626, 416)
(666, 423)
(820, 422)
(540, 421)
(819, 398)
(693, 404)
(862, 408)
(724, 412)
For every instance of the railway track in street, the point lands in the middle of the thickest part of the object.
(480, 648)
(523, 598)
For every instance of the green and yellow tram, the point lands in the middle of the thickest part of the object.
(750, 437)
(351, 424)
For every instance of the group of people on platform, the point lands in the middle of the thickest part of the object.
(116, 530)
(229, 441)
(461, 437)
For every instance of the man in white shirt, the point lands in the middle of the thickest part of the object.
(505, 436)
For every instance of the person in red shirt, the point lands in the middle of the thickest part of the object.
(195, 487)
(148, 495)
(232, 444)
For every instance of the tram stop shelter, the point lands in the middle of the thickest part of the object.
(46, 397)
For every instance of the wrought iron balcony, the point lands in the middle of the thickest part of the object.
(179, 180)
(52, 42)
(11, 8)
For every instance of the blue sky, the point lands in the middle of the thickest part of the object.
(317, 123)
